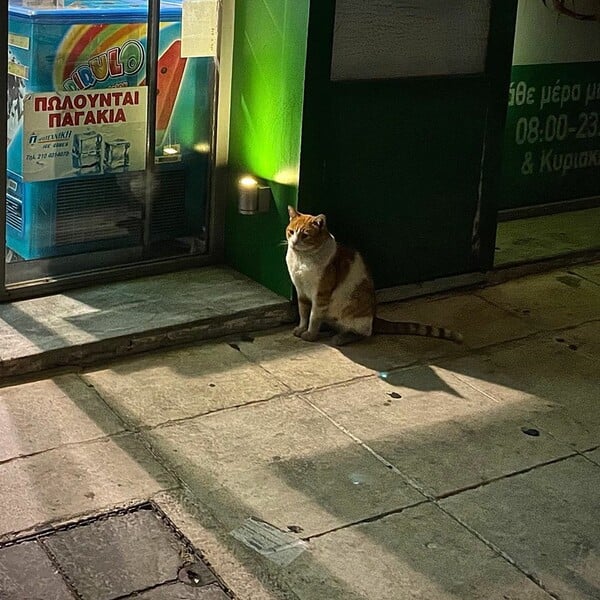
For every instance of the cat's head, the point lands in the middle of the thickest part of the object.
(305, 233)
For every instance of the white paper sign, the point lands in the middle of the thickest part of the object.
(199, 27)
(73, 134)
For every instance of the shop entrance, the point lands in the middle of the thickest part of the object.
(550, 192)
(111, 136)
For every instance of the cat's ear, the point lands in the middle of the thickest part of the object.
(320, 221)
(292, 212)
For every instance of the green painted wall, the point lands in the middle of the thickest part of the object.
(266, 119)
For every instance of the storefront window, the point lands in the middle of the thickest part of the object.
(550, 195)
(83, 189)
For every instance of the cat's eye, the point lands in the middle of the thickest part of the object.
(304, 235)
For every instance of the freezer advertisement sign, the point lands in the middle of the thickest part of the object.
(552, 134)
(71, 134)
(90, 85)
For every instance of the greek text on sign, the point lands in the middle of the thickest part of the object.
(73, 134)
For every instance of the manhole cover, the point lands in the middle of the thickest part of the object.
(131, 553)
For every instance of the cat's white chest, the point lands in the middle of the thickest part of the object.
(305, 273)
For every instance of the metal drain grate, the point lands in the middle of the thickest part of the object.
(135, 552)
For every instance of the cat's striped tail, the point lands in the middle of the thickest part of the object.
(406, 328)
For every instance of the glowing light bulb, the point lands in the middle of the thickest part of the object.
(202, 147)
(248, 182)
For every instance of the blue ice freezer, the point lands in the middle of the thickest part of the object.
(76, 129)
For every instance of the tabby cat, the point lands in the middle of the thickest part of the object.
(335, 288)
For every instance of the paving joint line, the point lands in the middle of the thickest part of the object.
(110, 436)
(584, 454)
(298, 391)
(136, 593)
(49, 527)
(58, 568)
(375, 454)
(125, 422)
(477, 486)
(499, 552)
(371, 519)
(504, 309)
(177, 421)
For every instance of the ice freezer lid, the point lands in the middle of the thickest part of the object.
(94, 10)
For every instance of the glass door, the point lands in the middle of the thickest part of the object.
(91, 186)
(549, 197)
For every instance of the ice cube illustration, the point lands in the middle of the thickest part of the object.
(116, 155)
(86, 153)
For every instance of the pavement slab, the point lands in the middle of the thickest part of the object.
(584, 340)
(551, 301)
(282, 462)
(420, 553)
(301, 365)
(182, 383)
(77, 479)
(541, 371)
(546, 520)
(437, 430)
(480, 322)
(46, 414)
(27, 573)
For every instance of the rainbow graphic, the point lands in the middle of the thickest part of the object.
(98, 48)
(113, 55)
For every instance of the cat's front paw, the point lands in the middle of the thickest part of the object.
(298, 331)
(310, 336)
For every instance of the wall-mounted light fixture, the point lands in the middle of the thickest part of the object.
(254, 196)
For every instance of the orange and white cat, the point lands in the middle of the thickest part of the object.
(335, 288)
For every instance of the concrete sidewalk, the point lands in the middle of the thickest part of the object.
(399, 467)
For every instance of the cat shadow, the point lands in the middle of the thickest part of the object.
(401, 361)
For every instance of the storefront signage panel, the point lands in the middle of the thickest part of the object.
(552, 135)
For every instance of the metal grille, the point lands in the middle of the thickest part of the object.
(196, 570)
(14, 213)
(96, 209)
(168, 208)
(108, 207)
